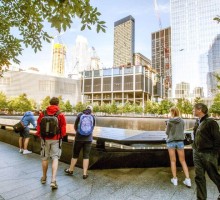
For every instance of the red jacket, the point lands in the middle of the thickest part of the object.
(51, 110)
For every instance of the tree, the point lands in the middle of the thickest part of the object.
(3, 101)
(215, 107)
(68, 106)
(79, 107)
(45, 102)
(28, 18)
(20, 104)
(164, 106)
(198, 100)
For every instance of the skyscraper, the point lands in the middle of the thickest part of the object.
(161, 57)
(58, 62)
(193, 30)
(124, 42)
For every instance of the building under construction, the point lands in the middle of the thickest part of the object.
(135, 84)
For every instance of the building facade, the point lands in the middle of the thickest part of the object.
(214, 66)
(135, 84)
(58, 62)
(182, 90)
(140, 59)
(124, 41)
(37, 86)
(193, 31)
(161, 57)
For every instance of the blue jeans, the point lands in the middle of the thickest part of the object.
(175, 145)
(205, 162)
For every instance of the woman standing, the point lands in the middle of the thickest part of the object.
(83, 140)
(175, 133)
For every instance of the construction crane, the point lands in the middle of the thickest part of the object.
(157, 13)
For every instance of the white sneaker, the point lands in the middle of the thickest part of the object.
(27, 152)
(187, 182)
(174, 181)
(21, 151)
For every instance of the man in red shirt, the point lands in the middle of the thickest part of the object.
(51, 145)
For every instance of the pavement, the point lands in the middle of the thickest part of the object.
(20, 179)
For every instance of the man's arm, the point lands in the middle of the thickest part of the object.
(214, 129)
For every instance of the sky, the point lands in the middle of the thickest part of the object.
(146, 22)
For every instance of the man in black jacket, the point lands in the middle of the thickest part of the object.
(205, 150)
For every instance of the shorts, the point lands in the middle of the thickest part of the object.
(25, 133)
(175, 145)
(50, 149)
(78, 145)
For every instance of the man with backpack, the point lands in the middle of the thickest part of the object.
(51, 127)
(83, 126)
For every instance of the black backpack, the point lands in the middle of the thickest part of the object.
(49, 125)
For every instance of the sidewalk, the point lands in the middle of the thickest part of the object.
(20, 179)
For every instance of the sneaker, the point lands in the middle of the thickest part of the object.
(21, 151)
(174, 181)
(187, 182)
(54, 185)
(85, 176)
(67, 171)
(27, 152)
(43, 181)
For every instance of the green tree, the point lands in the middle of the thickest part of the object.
(61, 104)
(180, 105)
(45, 102)
(20, 104)
(68, 106)
(114, 108)
(127, 107)
(3, 101)
(28, 18)
(137, 108)
(79, 107)
(198, 100)
(164, 106)
(187, 107)
(215, 107)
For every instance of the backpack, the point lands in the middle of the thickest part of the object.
(49, 125)
(85, 126)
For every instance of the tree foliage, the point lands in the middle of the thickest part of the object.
(215, 107)
(3, 101)
(217, 18)
(29, 17)
(20, 104)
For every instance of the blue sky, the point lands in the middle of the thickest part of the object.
(146, 22)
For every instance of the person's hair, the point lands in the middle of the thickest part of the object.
(174, 111)
(202, 107)
(54, 101)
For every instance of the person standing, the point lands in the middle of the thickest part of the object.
(51, 144)
(24, 137)
(206, 146)
(82, 140)
(175, 138)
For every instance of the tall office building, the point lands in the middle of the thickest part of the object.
(124, 31)
(214, 66)
(58, 62)
(81, 55)
(193, 30)
(161, 57)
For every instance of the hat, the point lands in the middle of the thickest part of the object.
(89, 107)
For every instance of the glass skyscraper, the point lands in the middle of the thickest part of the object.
(192, 33)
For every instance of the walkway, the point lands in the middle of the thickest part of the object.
(20, 175)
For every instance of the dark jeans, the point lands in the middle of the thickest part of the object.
(78, 145)
(205, 162)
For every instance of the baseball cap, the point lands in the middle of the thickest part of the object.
(89, 107)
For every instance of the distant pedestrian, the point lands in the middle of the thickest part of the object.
(27, 119)
(206, 147)
(51, 127)
(83, 126)
(175, 133)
